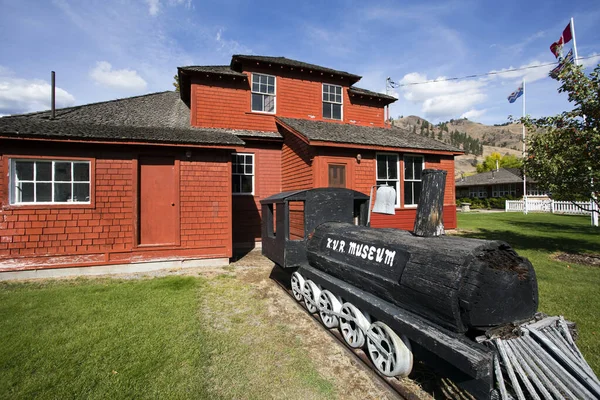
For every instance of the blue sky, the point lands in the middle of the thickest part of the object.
(106, 49)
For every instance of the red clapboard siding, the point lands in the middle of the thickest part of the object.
(267, 181)
(227, 104)
(405, 219)
(50, 236)
(296, 164)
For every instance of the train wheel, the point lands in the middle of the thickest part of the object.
(328, 303)
(311, 296)
(353, 325)
(297, 286)
(391, 354)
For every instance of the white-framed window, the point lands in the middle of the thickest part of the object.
(263, 93)
(388, 172)
(507, 189)
(332, 101)
(242, 167)
(534, 190)
(49, 181)
(413, 167)
(462, 192)
(478, 191)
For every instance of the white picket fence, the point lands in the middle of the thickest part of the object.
(555, 207)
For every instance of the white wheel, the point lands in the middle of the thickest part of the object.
(391, 354)
(311, 296)
(297, 285)
(328, 303)
(353, 325)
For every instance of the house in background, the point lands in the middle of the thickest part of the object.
(175, 178)
(502, 182)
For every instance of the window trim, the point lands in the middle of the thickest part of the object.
(478, 190)
(404, 180)
(341, 103)
(253, 175)
(263, 94)
(398, 180)
(8, 191)
(501, 188)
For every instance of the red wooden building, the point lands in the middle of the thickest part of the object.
(175, 178)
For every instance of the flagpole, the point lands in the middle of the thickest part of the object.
(574, 41)
(593, 214)
(524, 178)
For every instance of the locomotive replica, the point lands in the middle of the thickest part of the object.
(465, 307)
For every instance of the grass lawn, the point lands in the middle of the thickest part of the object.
(565, 289)
(171, 337)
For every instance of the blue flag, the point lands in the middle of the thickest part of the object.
(516, 94)
(561, 64)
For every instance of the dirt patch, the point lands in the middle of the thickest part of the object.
(591, 260)
(350, 377)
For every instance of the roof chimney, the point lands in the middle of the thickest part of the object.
(53, 96)
(497, 167)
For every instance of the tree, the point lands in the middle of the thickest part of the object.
(176, 83)
(506, 161)
(564, 150)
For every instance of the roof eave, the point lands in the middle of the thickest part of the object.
(386, 100)
(8, 136)
(324, 143)
(237, 65)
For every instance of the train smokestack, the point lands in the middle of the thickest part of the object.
(53, 96)
(430, 211)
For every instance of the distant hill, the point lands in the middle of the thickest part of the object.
(504, 139)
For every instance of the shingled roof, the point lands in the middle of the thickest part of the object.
(238, 59)
(501, 176)
(321, 131)
(152, 118)
(212, 69)
(364, 92)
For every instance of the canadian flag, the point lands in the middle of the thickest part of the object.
(556, 47)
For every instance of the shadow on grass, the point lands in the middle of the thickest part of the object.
(557, 227)
(521, 241)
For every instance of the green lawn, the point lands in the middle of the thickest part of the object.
(564, 288)
(172, 337)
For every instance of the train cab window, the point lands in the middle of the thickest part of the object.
(270, 221)
(296, 220)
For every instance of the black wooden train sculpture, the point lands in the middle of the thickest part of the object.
(448, 301)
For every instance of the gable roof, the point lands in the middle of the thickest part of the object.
(501, 176)
(237, 60)
(153, 118)
(321, 131)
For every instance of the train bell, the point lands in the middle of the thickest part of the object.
(385, 200)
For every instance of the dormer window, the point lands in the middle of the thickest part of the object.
(332, 101)
(263, 93)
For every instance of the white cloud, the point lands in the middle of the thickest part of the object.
(444, 98)
(229, 46)
(126, 79)
(591, 61)
(473, 114)
(528, 71)
(153, 7)
(18, 95)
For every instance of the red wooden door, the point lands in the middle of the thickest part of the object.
(158, 201)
